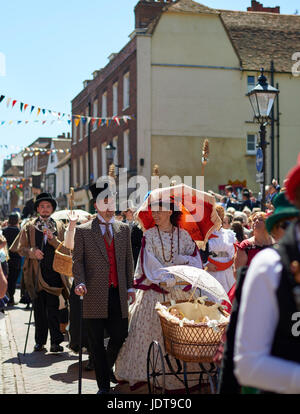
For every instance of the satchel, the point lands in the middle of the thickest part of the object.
(62, 263)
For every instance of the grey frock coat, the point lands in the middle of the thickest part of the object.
(91, 267)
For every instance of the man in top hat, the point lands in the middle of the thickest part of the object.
(37, 241)
(266, 353)
(103, 272)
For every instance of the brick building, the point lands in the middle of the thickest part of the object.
(111, 92)
(35, 164)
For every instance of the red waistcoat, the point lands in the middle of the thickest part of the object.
(113, 274)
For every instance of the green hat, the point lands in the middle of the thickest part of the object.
(283, 209)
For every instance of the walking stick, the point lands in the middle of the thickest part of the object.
(80, 346)
(28, 329)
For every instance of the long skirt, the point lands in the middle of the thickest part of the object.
(144, 327)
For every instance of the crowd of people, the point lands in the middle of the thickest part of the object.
(119, 271)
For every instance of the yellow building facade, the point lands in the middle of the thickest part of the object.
(192, 84)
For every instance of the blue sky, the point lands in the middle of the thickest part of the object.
(50, 48)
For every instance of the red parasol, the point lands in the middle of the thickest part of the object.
(199, 216)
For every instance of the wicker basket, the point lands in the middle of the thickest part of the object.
(62, 263)
(192, 342)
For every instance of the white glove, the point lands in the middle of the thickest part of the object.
(180, 260)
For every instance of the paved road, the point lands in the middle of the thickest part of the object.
(39, 372)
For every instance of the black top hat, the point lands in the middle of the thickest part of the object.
(45, 197)
(98, 189)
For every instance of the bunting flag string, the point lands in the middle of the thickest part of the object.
(34, 150)
(77, 119)
(59, 115)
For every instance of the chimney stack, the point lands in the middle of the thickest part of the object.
(258, 7)
(147, 10)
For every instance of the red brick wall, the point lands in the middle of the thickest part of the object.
(124, 62)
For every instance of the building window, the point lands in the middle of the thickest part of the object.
(86, 168)
(115, 99)
(116, 155)
(74, 173)
(250, 82)
(251, 144)
(95, 113)
(95, 163)
(81, 170)
(80, 129)
(104, 105)
(126, 150)
(126, 85)
(74, 135)
(103, 159)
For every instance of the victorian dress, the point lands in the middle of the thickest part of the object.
(222, 250)
(159, 249)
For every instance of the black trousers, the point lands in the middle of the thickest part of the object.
(117, 329)
(47, 317)
(14, 268)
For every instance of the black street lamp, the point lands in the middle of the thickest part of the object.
(110, 151)
(262, 98)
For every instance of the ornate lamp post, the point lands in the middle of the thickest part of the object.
(262, 98)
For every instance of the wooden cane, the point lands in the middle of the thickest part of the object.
(80, 346)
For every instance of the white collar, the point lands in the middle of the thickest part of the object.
(111, 221)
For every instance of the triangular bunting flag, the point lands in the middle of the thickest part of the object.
(38, 111)
(99, 122)
(77, 121)
(8, 102)
(116, 119)
(25, 107)
(21, 106)
(14, 102)
(32, 108)
(1, 98)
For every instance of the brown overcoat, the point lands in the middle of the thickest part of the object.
(91, 266)
(25, 245)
